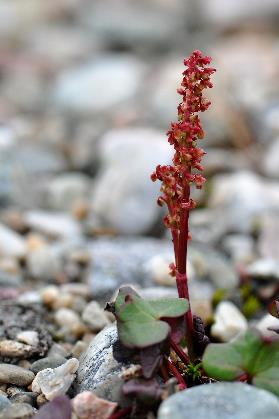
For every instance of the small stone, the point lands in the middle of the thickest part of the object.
(229, 322)
(18, 411)
(221, 400)
(12, 374)
(24, 397)
(55, 382)
(158, 267)
(264, 269)
(87, 405)
(68, 189)
(79, 348)
(11, 243)
(70, 322)
(266, 323)
(57, 350)
(4, 402)
(47, 362)
(50, 295)
(28, 336)
(12, 390)
(57, 225)
(66, 317)
(95, 317)
(44, 263)
(13, 349)
(41, 400)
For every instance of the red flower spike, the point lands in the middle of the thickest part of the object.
(177, 178)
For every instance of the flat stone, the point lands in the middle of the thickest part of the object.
(18, 411)
(13, 349)
(99, 371)
(54, 224)
(47, 362)
(12, 374)
(221, 400)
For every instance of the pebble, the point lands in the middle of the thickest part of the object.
(12, 374)
(87, 405)
(47, 362)
(4, 402)
(18, 411)
(95, 316)
(55, 382)
(24, 397)
(66, 190)
(221, 400)
(228, 322)
(237, 195)
(264, 269)
(44, 263)
(29, 337)
(11, 243)
(266, 323)
(66, 317)
(53, 224)
(13, 349)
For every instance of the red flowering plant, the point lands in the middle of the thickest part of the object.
(152, 331)
(177, 178)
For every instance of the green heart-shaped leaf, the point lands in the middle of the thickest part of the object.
(247, 354)
(142, 323)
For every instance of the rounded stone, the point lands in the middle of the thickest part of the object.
(221, 400)
(47, 362)
(12, 374)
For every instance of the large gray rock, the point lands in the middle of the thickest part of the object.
(117, 261)
(124, 197)
(98, 85)
(99, 370)
(238, 194)
(221, 400)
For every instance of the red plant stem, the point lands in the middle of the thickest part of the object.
(121, 413)
(177, 375)
(179, 352)
(181, 275)
(164, 372)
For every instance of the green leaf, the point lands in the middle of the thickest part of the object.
(143, 323)
(247, 354)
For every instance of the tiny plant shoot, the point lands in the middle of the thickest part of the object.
(186, 169)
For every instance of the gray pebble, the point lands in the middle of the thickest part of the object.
(18, 411)
(24, 397)
(4, 402)
(48, 362)
(12, 374)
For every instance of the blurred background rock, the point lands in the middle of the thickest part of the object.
(88, 89)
